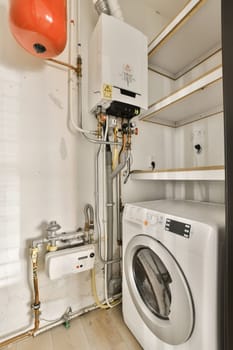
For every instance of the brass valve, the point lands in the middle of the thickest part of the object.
(34, 254)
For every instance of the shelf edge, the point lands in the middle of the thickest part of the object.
(209, 173)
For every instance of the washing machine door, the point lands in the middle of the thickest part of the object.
(159, 290)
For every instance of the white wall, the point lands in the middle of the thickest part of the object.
(159, 86)
(154, 143)
(39, 179)
(209, 133)
(47, 172)
(136, 11)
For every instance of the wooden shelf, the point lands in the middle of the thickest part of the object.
(197, 100)
(209, 173)
(192, 36)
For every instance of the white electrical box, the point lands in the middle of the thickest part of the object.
(118, 66)
(69, 261)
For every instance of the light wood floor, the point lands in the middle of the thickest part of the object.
(96, 330)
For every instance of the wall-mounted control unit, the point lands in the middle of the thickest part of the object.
(69, 261)
(118, 68)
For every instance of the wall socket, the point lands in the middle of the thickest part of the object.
(151, 163)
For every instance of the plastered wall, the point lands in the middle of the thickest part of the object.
(47, 172)
(208, 132)
(38, 182)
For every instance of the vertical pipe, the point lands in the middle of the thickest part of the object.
(118, 208)
(79, 88)
(35, 306)
(109, 200)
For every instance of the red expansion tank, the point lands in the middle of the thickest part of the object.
(39, 26)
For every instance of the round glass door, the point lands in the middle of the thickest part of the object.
(152, 280)
(159, 289)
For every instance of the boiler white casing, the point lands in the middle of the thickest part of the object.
(118, 64)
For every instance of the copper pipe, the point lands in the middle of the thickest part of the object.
(35, 283)
(67, 65)
(36, 306)
(16, 338)
(37, 321)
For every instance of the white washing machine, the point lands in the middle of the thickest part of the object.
(172, 280)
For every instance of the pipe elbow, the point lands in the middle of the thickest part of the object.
(121, 165)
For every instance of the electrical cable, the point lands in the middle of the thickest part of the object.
(51, 321)
(64, 316)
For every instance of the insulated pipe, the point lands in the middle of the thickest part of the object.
(98, 226)
(109, 199)
(118, 206)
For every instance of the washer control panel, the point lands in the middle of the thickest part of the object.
(153, 219)
(177, 227)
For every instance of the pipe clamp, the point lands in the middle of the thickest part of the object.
(36, 306)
